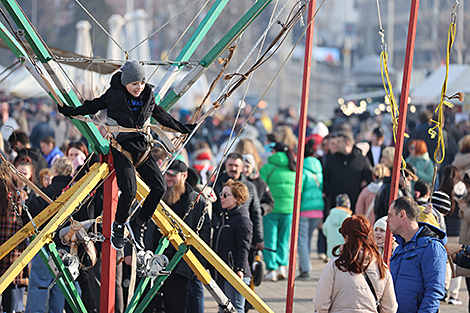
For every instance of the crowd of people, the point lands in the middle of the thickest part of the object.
(247, 207)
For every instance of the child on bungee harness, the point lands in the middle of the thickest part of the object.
(131, 102)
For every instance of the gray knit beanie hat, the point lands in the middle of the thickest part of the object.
(132, 71)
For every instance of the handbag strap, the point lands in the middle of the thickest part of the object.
(377, 303)
(272, 171)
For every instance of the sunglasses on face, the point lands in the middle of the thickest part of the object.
(224, 194)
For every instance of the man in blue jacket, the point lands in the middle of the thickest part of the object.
(418, 264)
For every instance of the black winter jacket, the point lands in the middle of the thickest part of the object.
(115, 100)
(37, 204)
(232, 238)
(382, 198)
(344, 174)
(53, 191)
(252, 205)
(266, 199)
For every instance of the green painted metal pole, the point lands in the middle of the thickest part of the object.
(12, 43)
(182, 249)
(139, 291)
(64, 281)
(189, 48)
(30, 34)
(214, 53)
(89, 130)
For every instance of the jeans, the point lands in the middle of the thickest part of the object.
(235, 297)
(306, 228)
(40, 299)
(321, 242)
(195, 296)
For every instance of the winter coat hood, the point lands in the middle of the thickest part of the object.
(279, 159)
(374, 187)
(462, 162)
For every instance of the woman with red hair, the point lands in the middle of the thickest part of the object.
(356, 279)
(419, 158)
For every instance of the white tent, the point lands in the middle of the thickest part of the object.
(429, 92)
(21, 84)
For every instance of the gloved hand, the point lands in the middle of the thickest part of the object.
(65, 110)
(190, 127)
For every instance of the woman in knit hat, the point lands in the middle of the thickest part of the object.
(333, 222)
(131, 103)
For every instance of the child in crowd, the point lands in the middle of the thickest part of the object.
(333, 222)
(441, 206)
(131, 103)
(422, 192)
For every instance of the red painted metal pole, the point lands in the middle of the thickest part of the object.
(405, 89)
(300, 157)
(108, 254)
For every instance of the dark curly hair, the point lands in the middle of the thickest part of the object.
(359, 248)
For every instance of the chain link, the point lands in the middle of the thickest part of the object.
(174, 223)
(15, 209)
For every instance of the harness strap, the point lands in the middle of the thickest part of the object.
(119, 148)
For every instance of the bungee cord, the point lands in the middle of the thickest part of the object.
(230, 144)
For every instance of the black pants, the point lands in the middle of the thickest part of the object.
(172, 296)
(127, 183)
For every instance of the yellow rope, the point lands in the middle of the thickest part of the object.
(389, 92)
(439, 124)
(394, 111)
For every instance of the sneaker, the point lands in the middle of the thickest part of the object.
(271, 276)
(322, 256)
(136, 233)
(117, 236)
(303, 276)
(282, 273)
(454, 301)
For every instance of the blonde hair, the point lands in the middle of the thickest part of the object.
(246, 146)
(464, 144)
(62, 166)
(389, 153)
(380, 171)
(286, 135)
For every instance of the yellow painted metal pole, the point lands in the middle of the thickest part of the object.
(68, 201)
(164, 223)
(40, 219)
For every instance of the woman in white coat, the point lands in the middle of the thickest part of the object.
(343, 285)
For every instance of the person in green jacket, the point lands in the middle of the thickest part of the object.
(419, 158)
(311, 206)
(279, 174)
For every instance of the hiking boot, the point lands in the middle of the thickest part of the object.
(117, 236)
(136, 233)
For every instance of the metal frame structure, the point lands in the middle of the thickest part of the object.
(62, 93)
(57, 213)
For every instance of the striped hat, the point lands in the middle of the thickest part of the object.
(441, 202)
